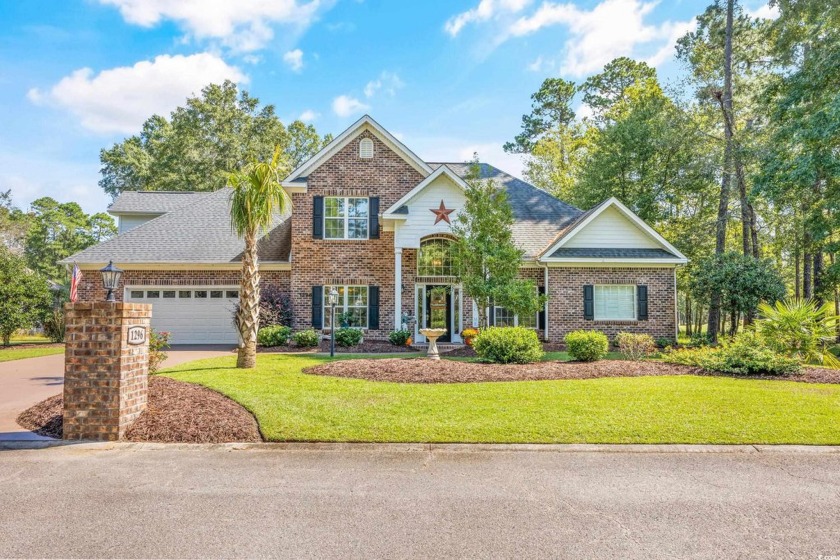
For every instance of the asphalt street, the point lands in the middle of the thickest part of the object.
(129, 500)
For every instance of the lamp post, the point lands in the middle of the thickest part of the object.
(333, 300)
(111, 279)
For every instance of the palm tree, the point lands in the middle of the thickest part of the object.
(256, 199)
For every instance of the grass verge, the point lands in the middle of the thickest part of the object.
(10, 353)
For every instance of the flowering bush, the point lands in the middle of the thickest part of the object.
(158, 343)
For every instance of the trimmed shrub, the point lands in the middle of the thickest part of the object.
(158, 343)
(506, 345)
(306, 338)
(587, 346)
(400, 337)
(635, 346)
(347, 336)
(746, 354)
(275, 335)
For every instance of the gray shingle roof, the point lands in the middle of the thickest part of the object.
(604, 253)
(540, 217)
(197, 233)
(152, 202)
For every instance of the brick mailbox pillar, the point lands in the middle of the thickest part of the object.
(106, 368)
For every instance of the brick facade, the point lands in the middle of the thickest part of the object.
(105, 378)
(91, 288)
(565, 307)
(318, 262)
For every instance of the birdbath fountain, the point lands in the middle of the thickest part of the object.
(432, 335)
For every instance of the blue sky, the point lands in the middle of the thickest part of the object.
(447, 77)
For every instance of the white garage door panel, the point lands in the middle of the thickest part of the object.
(190, 320)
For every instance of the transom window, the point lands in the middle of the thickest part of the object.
(345, 218)
(435, 258)
(615, 302)
(352, 306)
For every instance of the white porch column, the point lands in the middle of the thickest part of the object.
(397, 288)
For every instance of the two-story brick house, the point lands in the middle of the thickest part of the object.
(372, 219)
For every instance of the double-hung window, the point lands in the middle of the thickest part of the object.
(352, 306)
(346, 217)
(615, 302)
(503, 317)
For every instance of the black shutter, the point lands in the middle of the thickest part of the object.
(317, 307)
(318, 217)
(641, 303)
(373, 308)
(373, 220)
(541, 320)
(589, 302)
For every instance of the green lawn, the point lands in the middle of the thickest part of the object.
(291, 406)
(13, 353)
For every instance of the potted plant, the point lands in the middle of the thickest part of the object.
(468, 335)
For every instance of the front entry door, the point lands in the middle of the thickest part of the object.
(439, 310)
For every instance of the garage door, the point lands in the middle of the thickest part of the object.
(194, 315)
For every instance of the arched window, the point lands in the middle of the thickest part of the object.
(366, 148)
(435, 257)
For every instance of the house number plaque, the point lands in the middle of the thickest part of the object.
(136, 335)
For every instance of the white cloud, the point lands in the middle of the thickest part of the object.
(612, 28)
(485, 10)
(387, 82)
(765, 11)
(120, 99)
(243, 25)
(537, 65)
(344, 106)
(308, 116)
(294, 59)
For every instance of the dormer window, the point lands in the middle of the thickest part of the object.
(366, 148)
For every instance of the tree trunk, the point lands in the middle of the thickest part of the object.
(723, 204)
(688, 317)
(698, 325)
(248, 314)
(807, 260)
(817, 274)
(796, 271)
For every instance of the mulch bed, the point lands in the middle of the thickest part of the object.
(177, 412)
(366, 347)
(399, 370)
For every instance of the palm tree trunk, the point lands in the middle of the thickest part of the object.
(248, 316)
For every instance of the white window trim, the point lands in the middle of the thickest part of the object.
(595, 306)
(342, 307)
(536, 326)
(346, 219)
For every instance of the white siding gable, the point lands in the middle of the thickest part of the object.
(420, 221)
(613, 230)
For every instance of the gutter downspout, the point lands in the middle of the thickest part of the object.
(544, 266)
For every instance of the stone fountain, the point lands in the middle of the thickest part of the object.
(432, 335)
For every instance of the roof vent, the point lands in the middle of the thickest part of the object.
(366, 148)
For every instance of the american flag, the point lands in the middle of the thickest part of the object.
(75, 278)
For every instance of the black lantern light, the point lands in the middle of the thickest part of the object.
(332, 299)
(111, 279)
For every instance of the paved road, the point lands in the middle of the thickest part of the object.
(26, 382)
(158, 501)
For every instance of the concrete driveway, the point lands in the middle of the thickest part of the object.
(26, 382)
(177, 501)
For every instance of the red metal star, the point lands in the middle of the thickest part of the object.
(441, 213)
